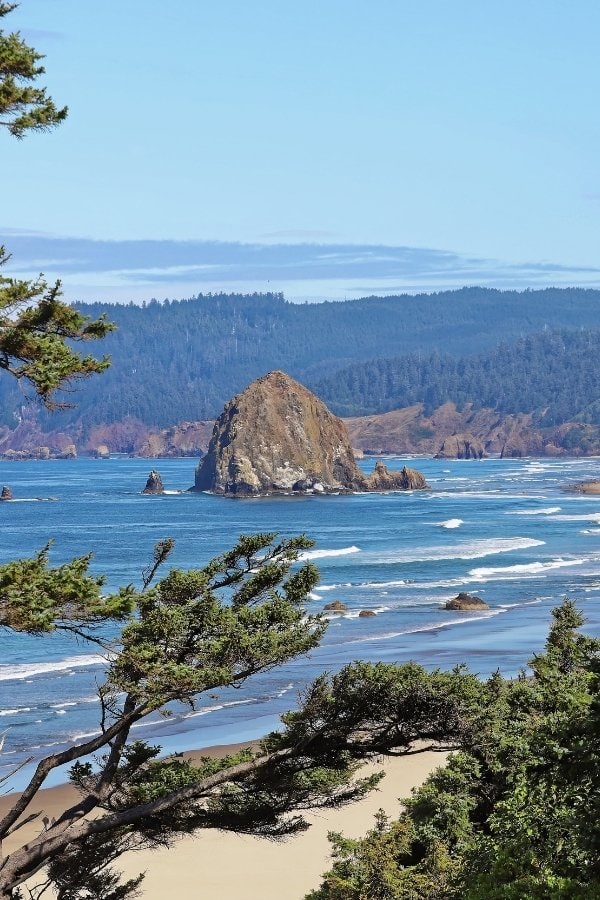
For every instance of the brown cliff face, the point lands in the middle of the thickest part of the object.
(461, 446)
(276, 436)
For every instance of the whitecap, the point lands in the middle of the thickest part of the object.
(584, 517)
(461, 550)
(527, 569)
(451, 523)
(26, 670)
(15, 712)
(335, 587)
(321, 554)
(417, 630)
(548, 511)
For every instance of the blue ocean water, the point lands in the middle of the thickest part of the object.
(503, 529)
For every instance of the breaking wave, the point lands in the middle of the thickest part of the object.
(26, 670)
(321, 554)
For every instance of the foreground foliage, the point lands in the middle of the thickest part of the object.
(514, 814)
(191, 633)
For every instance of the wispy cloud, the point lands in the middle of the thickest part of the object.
(120, 270)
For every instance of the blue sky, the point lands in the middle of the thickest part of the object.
(326, 148)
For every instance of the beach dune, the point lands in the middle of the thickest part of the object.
(217, 865)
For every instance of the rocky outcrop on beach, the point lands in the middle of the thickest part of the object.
(461, 446)
(406, 479)
(185, 439)
(464, 602)
(154, 484)
(6, 493)
(278, 437)
(367, 614)
(584, 487)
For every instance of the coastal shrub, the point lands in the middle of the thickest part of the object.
(514, 815)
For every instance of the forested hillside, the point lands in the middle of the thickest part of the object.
(552, 373)
(182, 360)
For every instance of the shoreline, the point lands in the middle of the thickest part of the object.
(233, 866)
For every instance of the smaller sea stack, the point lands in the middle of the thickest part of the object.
(154, 484)
(6, 493)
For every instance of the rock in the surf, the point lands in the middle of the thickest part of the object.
(335, 606)
(464, 602)
(6, 493)
(584, 487)
(154, 484)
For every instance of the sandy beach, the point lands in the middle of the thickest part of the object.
(218, 865)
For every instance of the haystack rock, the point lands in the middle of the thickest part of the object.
(276, 436)
(6, 493)
(154, 484)
(461, 446)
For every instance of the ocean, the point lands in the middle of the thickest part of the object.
(502, 529)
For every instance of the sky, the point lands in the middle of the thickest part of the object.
(323, 148)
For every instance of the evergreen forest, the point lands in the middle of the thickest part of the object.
(551, 373)
(182, 360)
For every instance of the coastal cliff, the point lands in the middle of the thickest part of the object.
(277, 436)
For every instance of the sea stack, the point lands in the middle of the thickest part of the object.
(154, 484)
(278, 437)
(6, 493)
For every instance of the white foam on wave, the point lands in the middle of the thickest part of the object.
(321, 554)
(524, 569)
(15, 712)
(217, 707)
(312, 595)
(522, 603)
(590, 531)
(335, 587)
(388, 636)
(26, 670)
(584, 517)
(548, 511)
(355, 613)
(32, 500)
(451, 523)
(462, 550)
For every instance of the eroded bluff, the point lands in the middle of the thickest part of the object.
(277, 436)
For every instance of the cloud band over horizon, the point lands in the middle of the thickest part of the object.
(137, 270)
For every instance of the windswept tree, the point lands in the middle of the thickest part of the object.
(191, 633)
(37, 329)
(24, 106)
